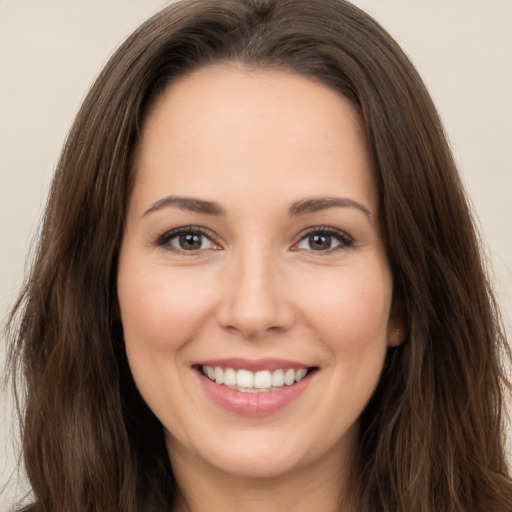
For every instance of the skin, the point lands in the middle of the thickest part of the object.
(255, 142)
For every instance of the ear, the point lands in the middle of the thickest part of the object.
(396, 333)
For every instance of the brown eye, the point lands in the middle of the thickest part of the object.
(190, 241)
(320, 242)
(324, 240)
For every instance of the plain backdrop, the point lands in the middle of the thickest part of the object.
(51, 51)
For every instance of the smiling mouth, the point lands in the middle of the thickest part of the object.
(247, 381)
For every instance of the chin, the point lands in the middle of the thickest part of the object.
(261, 454)
(258, 464)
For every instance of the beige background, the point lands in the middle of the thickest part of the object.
(51, 50)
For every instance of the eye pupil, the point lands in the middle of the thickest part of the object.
(190, 241)
(319, 242)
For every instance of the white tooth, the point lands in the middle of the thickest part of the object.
(244, 379)
(289, 377)
(262, 379)
(278, 378)
(210, 371)
(219, 375)
(229, 377)
(300, 374)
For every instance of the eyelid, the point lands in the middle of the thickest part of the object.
(346, 241)
(163, 239)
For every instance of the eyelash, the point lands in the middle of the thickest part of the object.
(164, 239)
(345, 241)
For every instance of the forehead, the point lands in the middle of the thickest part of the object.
(226, 129)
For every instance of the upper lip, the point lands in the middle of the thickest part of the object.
(253, 365)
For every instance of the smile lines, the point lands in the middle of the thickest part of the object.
(254, 382)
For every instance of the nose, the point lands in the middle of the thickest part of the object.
(255, 301)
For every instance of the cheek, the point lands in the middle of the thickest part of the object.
(350, 310)
(158, 308)
(161, 313)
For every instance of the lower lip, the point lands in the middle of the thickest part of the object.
(254, 404)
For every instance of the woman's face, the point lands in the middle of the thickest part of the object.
(252, 256)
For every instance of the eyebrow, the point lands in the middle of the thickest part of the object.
(313, 205)
(187, 203)
(302, 207)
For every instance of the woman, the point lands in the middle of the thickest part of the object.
(258, 282)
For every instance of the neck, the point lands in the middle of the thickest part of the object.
(323, 485)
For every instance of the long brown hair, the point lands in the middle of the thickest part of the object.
(432, 437)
